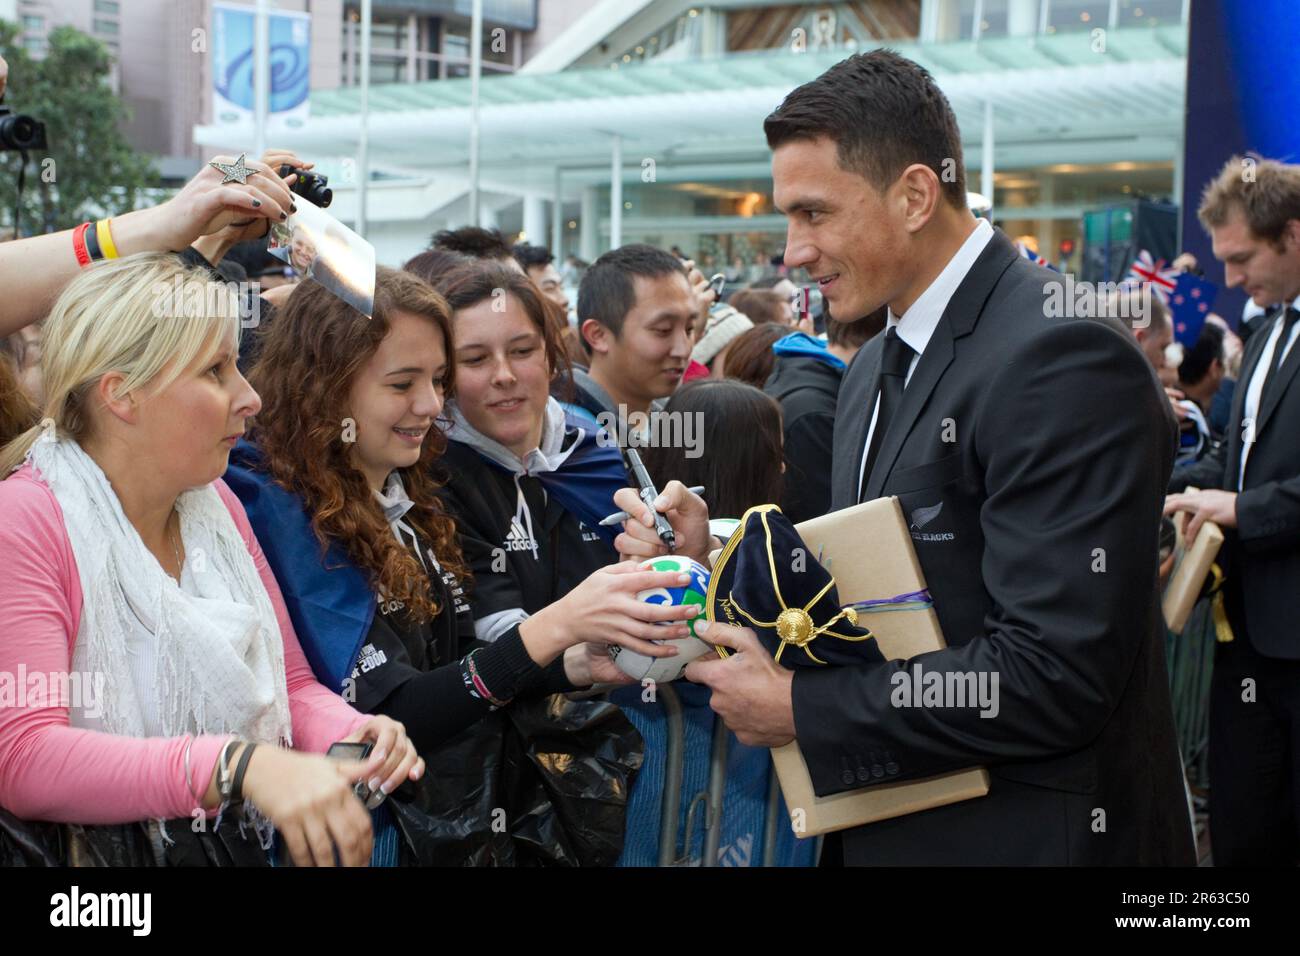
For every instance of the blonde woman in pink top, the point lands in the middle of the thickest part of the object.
(156, 673)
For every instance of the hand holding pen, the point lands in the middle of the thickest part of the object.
(618, 517)
(649, 494)
(684, 510)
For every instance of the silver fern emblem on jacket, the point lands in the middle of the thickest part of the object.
(923, 516)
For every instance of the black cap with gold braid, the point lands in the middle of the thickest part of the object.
(766, 579)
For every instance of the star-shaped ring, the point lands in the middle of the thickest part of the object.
(235, 172)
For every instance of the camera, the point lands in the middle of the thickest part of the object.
(18, 132)
(310, 186)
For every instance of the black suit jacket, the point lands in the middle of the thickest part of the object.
(1046, 443)
(1261, 556)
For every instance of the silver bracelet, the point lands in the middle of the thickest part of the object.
(223, 771)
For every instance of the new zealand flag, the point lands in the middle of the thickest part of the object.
(1189, 304)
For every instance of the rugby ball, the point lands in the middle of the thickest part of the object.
(664, 669)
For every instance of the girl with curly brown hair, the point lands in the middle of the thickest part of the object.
(336, 480)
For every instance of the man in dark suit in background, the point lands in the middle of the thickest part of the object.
(1252, 491)
(1030, 451)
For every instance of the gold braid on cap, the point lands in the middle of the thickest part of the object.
(794, 625)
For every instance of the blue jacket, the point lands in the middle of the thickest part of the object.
(801, 343)
(330, 601)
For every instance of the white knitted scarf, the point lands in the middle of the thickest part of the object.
(217, 663)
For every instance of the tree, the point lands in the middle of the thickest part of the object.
(89, 170)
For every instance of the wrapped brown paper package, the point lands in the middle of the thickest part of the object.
(869, 551)
(1191, 565)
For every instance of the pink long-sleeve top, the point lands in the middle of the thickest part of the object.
(50, 770)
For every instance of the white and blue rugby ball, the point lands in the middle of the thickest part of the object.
(664, 669)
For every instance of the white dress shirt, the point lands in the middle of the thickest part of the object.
(1255, 387)
(919, 322)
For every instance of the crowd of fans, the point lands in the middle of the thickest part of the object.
(382, 531)
(324, 502)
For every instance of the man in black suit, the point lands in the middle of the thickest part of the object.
(1252, 491)
(1030, 452)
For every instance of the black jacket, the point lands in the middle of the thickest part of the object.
(806, 389)
(1047, 443)
(412, 671)
(523, 565)
(1261, 556)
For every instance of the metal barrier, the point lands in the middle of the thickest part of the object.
(674, 769)
(1190, 658)
(706, 808)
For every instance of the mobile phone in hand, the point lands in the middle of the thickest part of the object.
(346, 751)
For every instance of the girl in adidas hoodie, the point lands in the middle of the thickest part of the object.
(527, 484)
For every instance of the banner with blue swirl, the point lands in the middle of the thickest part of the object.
(232, 66)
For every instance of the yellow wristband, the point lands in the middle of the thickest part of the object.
(105, 237)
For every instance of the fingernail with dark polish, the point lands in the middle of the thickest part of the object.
(284, 215)
(257, 203)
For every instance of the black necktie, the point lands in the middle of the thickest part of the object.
(895, 360)
(1270, 380)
